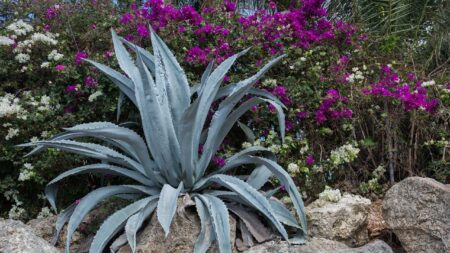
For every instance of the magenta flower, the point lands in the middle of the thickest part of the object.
(126, 18)
(108, 54)
(309, 160)
(89, 81)
(129, 37)
(46, 28)
(219, 161)
(60, 67)
(79, 56)
(142, 30)
(302, 115)
(50, 13)
(71, 88)
(77, 202)
(229, 6)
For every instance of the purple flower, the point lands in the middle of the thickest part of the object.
(302, 114)
(129, 37)
(77, 202)
(71, 88)
(309, 160)
(79, 56)
(219, 161)
(229, 6)
(50, 13)
(126, 18)
(142, 30)
(279, 91)
(89, 81)
(108, 54)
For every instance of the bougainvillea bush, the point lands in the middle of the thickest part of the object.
(356, 117)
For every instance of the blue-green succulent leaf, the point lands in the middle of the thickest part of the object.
(114, 223)
(220, 221)
(62, 219)
(135, 222)
(206, 236)
(167, 205)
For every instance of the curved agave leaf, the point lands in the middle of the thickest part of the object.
(248, 132)
(220, 221)
(92, 150)
(221, 123)
(249, 194)
(134, 143)
(114, 223)
(88, 202)
(195, 116)
(124, 59)
(167, 205)
(52, 187)
(227, 90)
(124, 84)
(206, 236)
(251, 221)
(283, 214)
(173, 76)
(149, 59)
(135, 222)
(285, 179)
(157, 124)
(62, 219)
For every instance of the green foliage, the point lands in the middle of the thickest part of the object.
(167, 164)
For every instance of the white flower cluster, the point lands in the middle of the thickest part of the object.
(95, 95)
(20, 27)
(293, 169)
(55, 56)
(330, 195)
(27, 173)
(269, 82)
(41, 105)
(12, 132)
(428, 83)
(44, 213)
(9, 106)
(6, 41)
(47, 38)
(355, 76)
(22, 58)
(16, 212)
(344, 154)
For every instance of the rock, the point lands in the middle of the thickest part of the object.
(319, 245)
(418, 211)
(45, 228)
(16, 237)
(183, 234)
(376, 225)
(344, 221)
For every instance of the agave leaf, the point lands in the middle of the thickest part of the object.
(248, 132)
(129, 140)
(251, 220)
(52, 187)
(285, 179)
(62, 219)
(148, 58)
(157, 123)
(122, 82)
(135, 222)
(247, 239)
(206, 236)
(167, 205)
(120, 241)
(93, 150)
(217, 135)
(220, 221)
(227, 90)
(283, 214)
(195, 116)
(120, 102)
(88, 202)
(221, 123)
(113, 224)
(174, 78)
(249, 194)
(124, 59)
(204, 78)
(259, 177)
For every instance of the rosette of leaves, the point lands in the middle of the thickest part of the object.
(166, 164)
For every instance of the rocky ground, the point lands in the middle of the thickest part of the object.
(416, 211)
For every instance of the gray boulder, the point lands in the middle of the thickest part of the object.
(319, 245)
(343, 221)
(418, 211)
(16, 237)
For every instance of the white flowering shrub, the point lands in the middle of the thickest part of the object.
(330, 195)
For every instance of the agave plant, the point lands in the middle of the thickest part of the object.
(166, 164)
